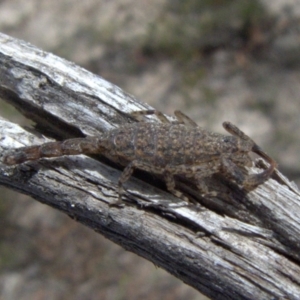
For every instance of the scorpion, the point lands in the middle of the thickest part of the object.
(168, 148)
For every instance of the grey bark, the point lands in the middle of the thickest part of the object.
(245, 246)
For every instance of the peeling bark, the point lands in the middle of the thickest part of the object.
(245, 248)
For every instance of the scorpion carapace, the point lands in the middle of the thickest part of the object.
(168, 148)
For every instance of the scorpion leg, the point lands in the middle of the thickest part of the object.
(184, 119)
(202, 187)
(232, 171)
(180, 116)
(170, 182)
(127, 172)
(196, 172)
(168, 176)
(138, 114)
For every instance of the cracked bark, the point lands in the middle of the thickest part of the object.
(245, 248)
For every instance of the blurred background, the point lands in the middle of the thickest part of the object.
(215, 60)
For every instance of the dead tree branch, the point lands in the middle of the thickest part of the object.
(245, 248)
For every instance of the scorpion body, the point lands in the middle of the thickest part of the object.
(167, 148)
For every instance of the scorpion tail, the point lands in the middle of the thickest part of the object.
(253, 180)
(265, 175)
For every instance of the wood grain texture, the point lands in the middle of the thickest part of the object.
(245, 248)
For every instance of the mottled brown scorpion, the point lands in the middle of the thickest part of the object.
(168, 148)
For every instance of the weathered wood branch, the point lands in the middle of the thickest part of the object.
(245, 248)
